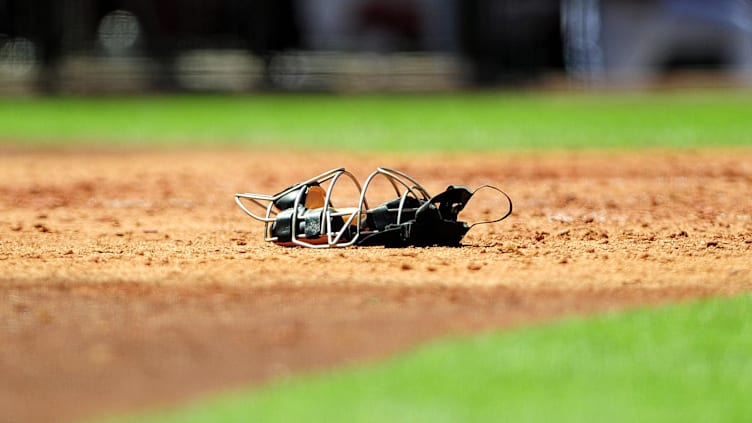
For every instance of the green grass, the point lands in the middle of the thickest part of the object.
(465, 121)
(683, 363)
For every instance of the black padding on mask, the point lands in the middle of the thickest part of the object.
(433, 223)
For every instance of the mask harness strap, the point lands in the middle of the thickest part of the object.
(502, 217)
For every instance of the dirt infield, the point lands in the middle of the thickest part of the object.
(130, 279)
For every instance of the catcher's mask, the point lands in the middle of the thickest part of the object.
(303, 214)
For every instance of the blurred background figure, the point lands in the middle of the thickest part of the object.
(636, 41)
(102, 46)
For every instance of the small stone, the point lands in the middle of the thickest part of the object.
(41, 228)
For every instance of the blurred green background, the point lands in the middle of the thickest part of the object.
(449, 121)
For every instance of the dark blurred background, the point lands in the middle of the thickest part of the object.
(102, 46)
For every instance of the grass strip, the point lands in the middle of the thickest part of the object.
(437, 122)
(680, 363)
